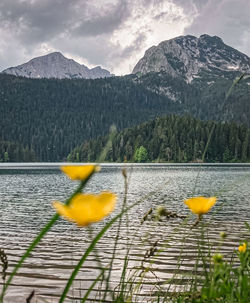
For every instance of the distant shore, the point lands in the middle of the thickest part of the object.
(56, 165)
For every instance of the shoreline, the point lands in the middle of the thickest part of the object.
(56, 165)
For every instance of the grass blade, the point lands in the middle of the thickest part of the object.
(94, 242)
(92, 286)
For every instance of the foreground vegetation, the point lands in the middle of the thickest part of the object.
(221, 280)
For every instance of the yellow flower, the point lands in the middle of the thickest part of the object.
(242, 248)
(79, 172)
(200, 205)
(85, 209)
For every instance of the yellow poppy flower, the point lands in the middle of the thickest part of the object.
(85, 209)
(242, 248)
(200, 205)
(79, 172)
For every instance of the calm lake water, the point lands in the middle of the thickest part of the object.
(26, 192)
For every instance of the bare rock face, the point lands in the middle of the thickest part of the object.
(55, 65)
(188, 56)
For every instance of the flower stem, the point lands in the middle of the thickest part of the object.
(39, 238)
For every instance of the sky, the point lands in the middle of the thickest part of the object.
(113, 33)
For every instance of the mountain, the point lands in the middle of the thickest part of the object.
(171, 139)
(214, 98)
(55, 65)
(189, 58)
(198, 73)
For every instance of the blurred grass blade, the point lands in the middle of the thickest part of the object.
(94, 242)
(236, 81)
(92, 286)
(39, 238)
(108, 146)
(27, 253)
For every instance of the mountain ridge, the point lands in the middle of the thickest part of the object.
(56, 65)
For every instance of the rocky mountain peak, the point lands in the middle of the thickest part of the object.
(55, 65)
(188, 56)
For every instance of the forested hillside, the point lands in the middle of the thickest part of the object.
(207, 97)
(171, 139)
(50, 116)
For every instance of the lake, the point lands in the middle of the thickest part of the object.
(26, 193)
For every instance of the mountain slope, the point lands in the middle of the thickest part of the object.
(55, 65)
(189, 57)
(207, 100)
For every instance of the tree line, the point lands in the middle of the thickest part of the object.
(15, 152)
(171, 139)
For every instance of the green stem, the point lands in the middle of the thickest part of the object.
(92, 286)
(27, 253)
(117, 235)
(39, 238)
(92, 245)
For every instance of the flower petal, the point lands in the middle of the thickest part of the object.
(79, 172)
(62, 210)
(200, 205)
(85, 209)
(242, 248)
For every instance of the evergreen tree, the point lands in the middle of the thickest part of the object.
(6, 157)
(141, 154)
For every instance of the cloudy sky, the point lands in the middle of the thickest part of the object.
(113, 33)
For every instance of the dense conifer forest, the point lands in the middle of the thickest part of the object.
(206, 97)
(48, 118)
(52, 116)
(171, 139)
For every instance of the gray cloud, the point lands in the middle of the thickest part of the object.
(79, 27)
(228, 19)
(100, 23)
(111, 33)
(39, 21)
(35, 22)
(137, 44)
(32, 23)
